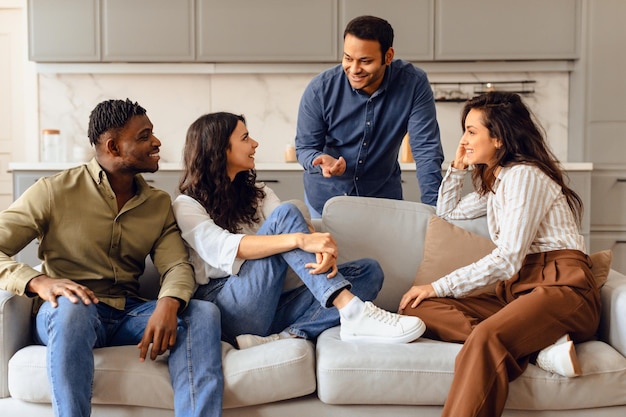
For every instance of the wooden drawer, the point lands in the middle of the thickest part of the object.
(616, 241)
(287, 185)
(608, 196)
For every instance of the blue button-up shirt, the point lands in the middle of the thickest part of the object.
(367, 131)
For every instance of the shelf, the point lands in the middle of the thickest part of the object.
(461, 91)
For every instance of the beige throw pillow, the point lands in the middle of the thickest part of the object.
(601, 265)
(448, 247)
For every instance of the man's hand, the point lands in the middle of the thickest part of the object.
(161, 329)
(48, 289)
(331, 167)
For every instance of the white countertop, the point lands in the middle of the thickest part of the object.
(261, 166)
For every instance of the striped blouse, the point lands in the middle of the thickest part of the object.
(527, 213)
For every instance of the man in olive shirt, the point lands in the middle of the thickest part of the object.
(96, 224)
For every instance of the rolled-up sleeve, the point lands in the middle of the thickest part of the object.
(214, 245)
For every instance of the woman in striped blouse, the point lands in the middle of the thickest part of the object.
(545, 288)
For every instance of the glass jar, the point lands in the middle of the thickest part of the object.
(53, 148)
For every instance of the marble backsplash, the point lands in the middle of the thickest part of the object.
(268, 101)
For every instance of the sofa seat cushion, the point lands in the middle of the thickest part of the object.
(276, 371)
(420, 373)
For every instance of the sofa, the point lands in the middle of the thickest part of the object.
(331, 377)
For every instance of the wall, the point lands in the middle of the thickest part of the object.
(269, 100)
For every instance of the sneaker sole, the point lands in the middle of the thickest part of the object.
(574, 359)
(405, 338)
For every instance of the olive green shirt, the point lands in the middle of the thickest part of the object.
(83, 237)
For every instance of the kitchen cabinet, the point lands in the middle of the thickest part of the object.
(507, 29)
(267, 30)
(608, 215)
(605, 83)
(604, 124)
(64, 30)
(111, 30)
(297, 30)
(286, 184)
(148, 30)
(412, 21)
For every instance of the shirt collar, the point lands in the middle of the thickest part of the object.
(98, 174)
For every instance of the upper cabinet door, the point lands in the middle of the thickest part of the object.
(148, 30)
(412, 22)
(64, 30)
(507, 29)
(267, 30)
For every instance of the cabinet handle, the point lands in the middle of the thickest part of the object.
(272, 181)
(620, 242)
(621, 180)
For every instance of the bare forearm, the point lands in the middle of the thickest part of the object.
(262, 246)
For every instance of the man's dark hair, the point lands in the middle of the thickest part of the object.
(371, 28)
(111, 115)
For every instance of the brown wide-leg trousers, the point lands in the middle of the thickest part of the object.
(553, 294)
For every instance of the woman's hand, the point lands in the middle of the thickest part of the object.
(325, 262)
(415, 295)
(460, 159)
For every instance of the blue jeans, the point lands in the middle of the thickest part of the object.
(71, 332)
(253, 301)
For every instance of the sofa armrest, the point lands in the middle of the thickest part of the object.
(15, 331)
(613, 320)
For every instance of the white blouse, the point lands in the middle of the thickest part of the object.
(528, 213)
(212, 249)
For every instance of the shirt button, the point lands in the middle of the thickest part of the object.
(360, 161)
(364, 143)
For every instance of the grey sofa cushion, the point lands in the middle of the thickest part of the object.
(420, 373)
(267, 373)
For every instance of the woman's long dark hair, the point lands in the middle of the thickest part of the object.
(523, 142)
(229, 203)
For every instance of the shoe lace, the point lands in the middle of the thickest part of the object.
(383, 316)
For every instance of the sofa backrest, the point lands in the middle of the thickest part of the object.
(390, 231)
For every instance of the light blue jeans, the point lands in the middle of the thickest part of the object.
(71, 332)
(253, 301)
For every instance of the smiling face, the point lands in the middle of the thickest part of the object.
(240, 153)
(363, 64)
(480, 146)
(137, 147)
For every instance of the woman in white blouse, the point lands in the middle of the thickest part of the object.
(243, 241)
(545, 288)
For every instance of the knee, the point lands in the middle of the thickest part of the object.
(75, 315)
(204, 310)
(288, 209)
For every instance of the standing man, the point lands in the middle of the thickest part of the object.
(353, 117)
(96, 224)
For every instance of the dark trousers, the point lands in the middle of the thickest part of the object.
(554, 293)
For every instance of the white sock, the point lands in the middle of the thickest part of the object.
(352, 310)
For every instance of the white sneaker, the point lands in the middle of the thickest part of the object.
(245, 341)
(378, 325)
(560, 358)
